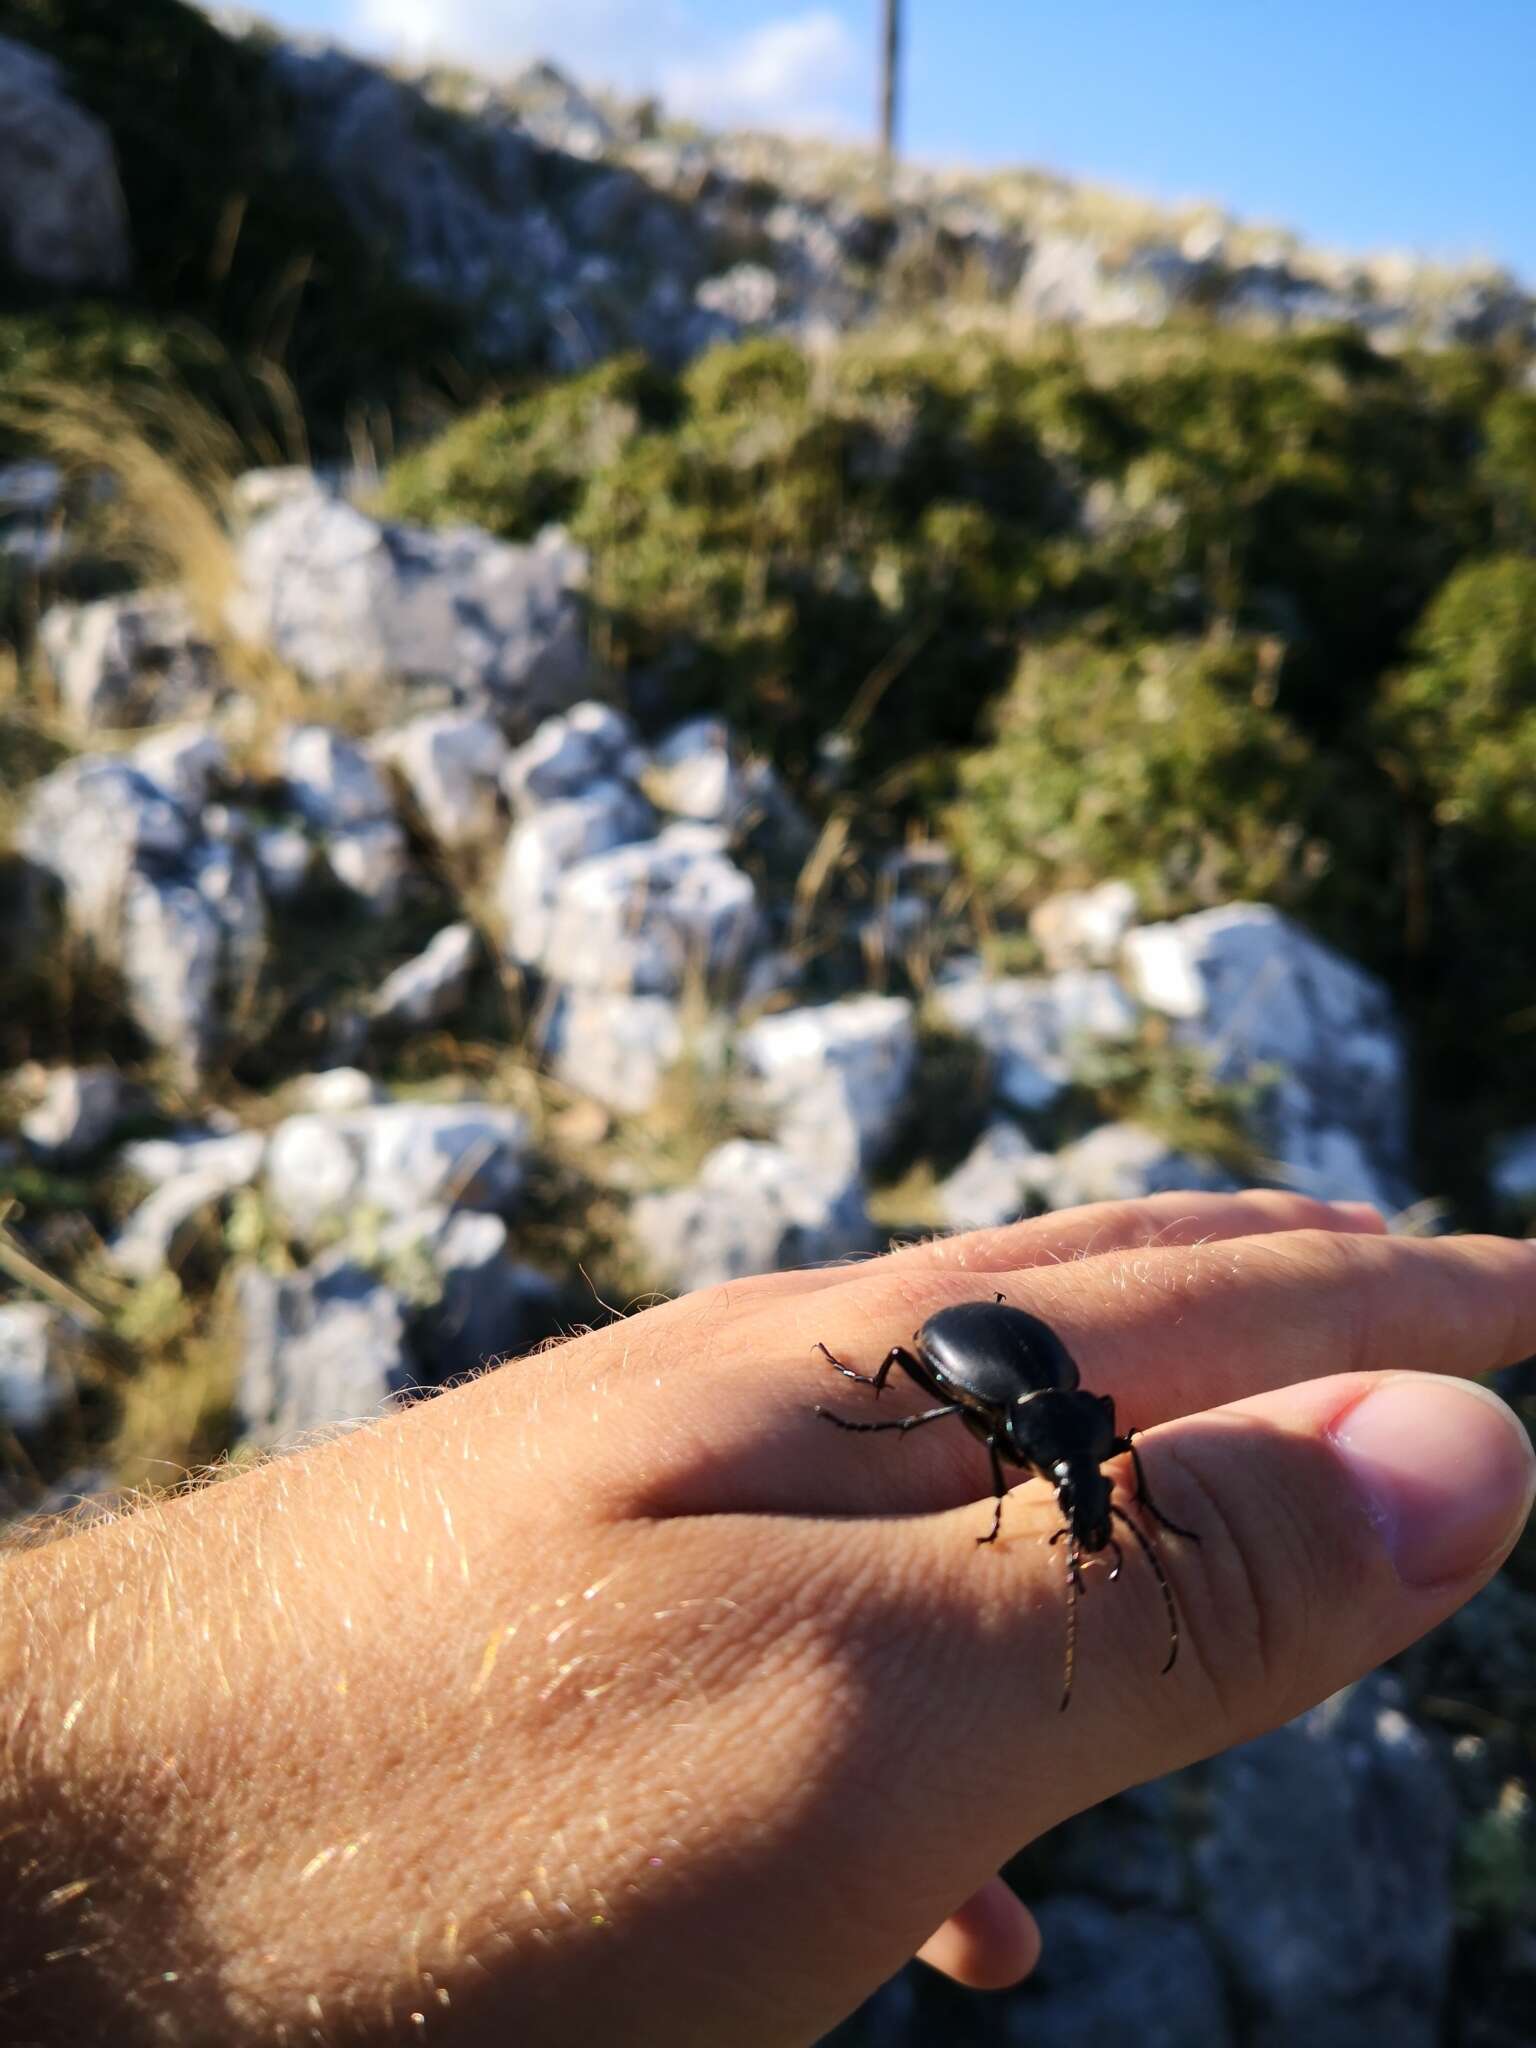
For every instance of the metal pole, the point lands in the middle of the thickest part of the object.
(889, 61)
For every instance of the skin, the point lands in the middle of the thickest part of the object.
(616, 1697)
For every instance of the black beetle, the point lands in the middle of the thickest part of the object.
(1013, 1383)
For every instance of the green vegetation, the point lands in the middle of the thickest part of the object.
(1165, 763)
(1464, 709)
(1269, 647)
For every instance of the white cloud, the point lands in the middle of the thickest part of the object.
(797, 72)
(598, 41)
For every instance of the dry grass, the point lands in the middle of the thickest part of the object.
(154, 473)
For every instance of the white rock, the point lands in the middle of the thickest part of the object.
(1067, 283)
(62, 215)
(322, 1347)
(42, 1353)
(154, 1236)
(1268, 1003)
(232, 1158)
(1035, 1028)
(185, 761)
(90, 823)
(331, 781)
(314, 1172)
(468, 1154)
(1002, 1178)
(754, 1208)
(181, 915)
(543, 846)
(285, 856)
(372, 861)
(1123, 1161)
(592, 744)
(342, 597)
(338, 1089)
(80, 1109)
(432, 986)
(693, 774)
(490, 1306)
(1084, 928)
(747, 294)
(191, 938)
(451, 762)
(392, 1160)
(648, 919)
(617, 1049)
(836, 1076)
(134, 660)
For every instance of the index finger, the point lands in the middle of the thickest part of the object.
(1165, 1332)
(1184, 1217)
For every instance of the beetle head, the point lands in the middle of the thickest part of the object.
(1084, 1493)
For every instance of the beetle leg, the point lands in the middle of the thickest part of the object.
(999, 1491)
(1119, 1560)
(877, 1379)
(1162, 1579)
(1143, 1498)
(907, 1421)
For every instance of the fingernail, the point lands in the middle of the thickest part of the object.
(1444, 1471)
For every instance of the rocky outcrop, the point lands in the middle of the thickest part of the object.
(62, 217)
(344, 598)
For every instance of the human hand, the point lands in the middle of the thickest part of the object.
(616, 1697)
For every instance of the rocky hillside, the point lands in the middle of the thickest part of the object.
(589, 709)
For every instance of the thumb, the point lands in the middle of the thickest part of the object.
(1337, 1521)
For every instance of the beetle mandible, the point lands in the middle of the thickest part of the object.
(1013, 1383)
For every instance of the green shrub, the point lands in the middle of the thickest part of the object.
(515, 467)
(1161, 763)
(1509, 464)
(1464, 709)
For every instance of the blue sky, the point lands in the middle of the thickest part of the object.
(1363, 123)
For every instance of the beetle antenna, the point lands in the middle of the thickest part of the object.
(1162, 1579)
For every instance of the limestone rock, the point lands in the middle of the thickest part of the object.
(321, 1347)
(135, 660)
(451, 761)
(1084, 927)
(1122, 1162)
(62, 216)
(42, 1353)
(754, 1208)
(591, 746)
(1034, 1027)
(332, 783)
(615, 1048)
(79, 1109)
(393, 1160)
(647, 919)
(837, 1076)
(1002, 1178)
(430, 988)
(345, 598)
(1355, 1789)
(545, 846)
(1272, 1005)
